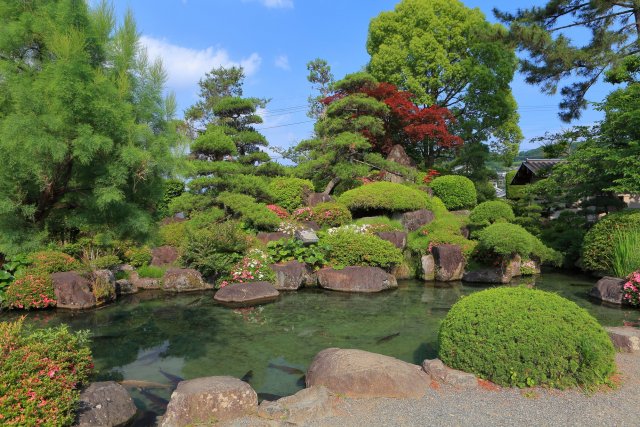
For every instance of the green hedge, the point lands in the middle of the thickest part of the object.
(598, 245)
(255, 214)
(524, 337)
(350, 248)
(386, 197)
(289, 192)
(486, 213)
(456, 191)
(504, 240)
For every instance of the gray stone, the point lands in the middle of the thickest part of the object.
(314, 199)
(306, 236)
(105, 404)
(164, 255)
(272, 237)
(183, 280)
(398, 238)
(625, 338)
(428, 267)
(309, 404)
(125, 287)
(449, 262)
(356, 279)
(609, 289)
(209, 400)
(292, 275)
(400, 156)
(72, 291)
(358, 373)
(462, 212)
(436, 369)
(144, 282)
(462, 380)
(411, 221)
(246, 294)
(530, 267)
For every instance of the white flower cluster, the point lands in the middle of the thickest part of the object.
(289, 227)
(352, 228)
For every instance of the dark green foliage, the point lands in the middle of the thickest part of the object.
(487, 213)
(41, 373)
(597, 249)
(173, 234)
(524, 337)
(252, 185)
(205, 218)
(188, 203)
(446, 229)
(106, 262)
(349, 248)
(11, 268)
(514, 192)
(172, 188)
(215, 249)
(384, 197)
(331, 214)
(151, 272)
(565, 234)
(255, 214)
(501, 241)
(485, 191)
(137, 257)
(289, 192)
(455, 191)
(315, 256)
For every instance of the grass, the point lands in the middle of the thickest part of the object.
(625, 258)
(151, 272)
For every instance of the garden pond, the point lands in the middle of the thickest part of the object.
(160, 338)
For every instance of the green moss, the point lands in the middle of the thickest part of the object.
(151, 272)
(455, 191)
(524, 337)
(349, 248)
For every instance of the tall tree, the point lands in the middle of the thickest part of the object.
(321, 78)
(450, 56)
(85, 135)
(542, 32)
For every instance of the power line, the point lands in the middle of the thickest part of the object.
(288, 124)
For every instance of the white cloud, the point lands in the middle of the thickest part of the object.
(275, 4)
(186, 66)
(282, 61)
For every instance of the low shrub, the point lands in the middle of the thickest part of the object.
(151, 271)
(331, 214)
(12, 267)
(253, 267)
(187, 203)
(137, 257)
(349, 248)
(289, 192)
(524, 337)
(173, 234)
(456, 191)
(501, 241)
(255, 214)
(214, 250)
(380, 224)
(487, 213)
(33, 289)
(171, 188)
(598, 245)
(40, 374)
(278, 210)
(445, 229)
(205, 218)
(106, 262)
(384, 197)
(303, 214)
(52, 261)
(485, 191)
(315, 255)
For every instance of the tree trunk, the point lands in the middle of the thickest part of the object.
(331, 185)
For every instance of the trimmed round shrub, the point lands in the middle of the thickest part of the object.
(331, 214)
(501, 241)
(598, 245)
(52, 261)
(41, 373)
(33, 290)
(525, 337)
(350, 248)
(253, 213)
(443, 230)
(138, 257)
(486, 213)
(456, 191)
(384, 197)
(289, 192)
(188, 203)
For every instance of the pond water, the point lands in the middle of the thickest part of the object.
(155, 337)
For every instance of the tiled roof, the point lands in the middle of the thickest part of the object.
(535, 165)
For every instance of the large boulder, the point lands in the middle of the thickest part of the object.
(183, 280)
(317, 198)
(125, 287)
(104, 286)
(105, 404)
(356, 279)
(272, 237)
(292, 275)
(398, 238)
(246, 294)
(609, 289)
(309, 404)
(487, 275)
(358, 373)
(449, 262)
(208, 400)
(428, 267)
(164, 255)
(398, 155)
(73, 291)
(144, 282)
(411, 221)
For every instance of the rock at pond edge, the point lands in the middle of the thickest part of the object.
(246, 294)
(356, 279)
(105, 404)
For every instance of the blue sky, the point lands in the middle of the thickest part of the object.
(274, 39)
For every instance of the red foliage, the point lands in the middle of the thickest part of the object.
(431, 174)
(280, 211)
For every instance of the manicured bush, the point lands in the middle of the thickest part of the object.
(598, 246)
(255, 214)
(384, 197)
(137, 257)
(501, 241)
(525, 337)
(52, 261)
(205, 218)
(289, 192)
(188, 203)
(215, 249)
(445, 229)
(456, 191)
(33, 289)
(40, 374)
(106, 262)
(151, 271)
(380, 223)
(486, 213)
(331, 214)
(349, 248)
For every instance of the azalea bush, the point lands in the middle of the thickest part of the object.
(33, 289)
(52, 261)
(280, 211)
(40, 374)
(303, 214)
(289, 192)
(331, 214)
(632, 289)
(253, 267)
(11, 268)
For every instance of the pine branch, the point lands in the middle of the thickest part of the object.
(577, 24)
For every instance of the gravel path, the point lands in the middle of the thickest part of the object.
(446, 406)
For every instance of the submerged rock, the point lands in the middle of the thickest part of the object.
(73, 291)
(356, 279)
(105, 404)
(357, 373)
(209, 400)
(246, 294)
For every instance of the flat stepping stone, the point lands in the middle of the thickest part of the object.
(356, 279)
(247, 294)
(625, 338)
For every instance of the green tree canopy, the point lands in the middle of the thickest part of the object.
(85, 135)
